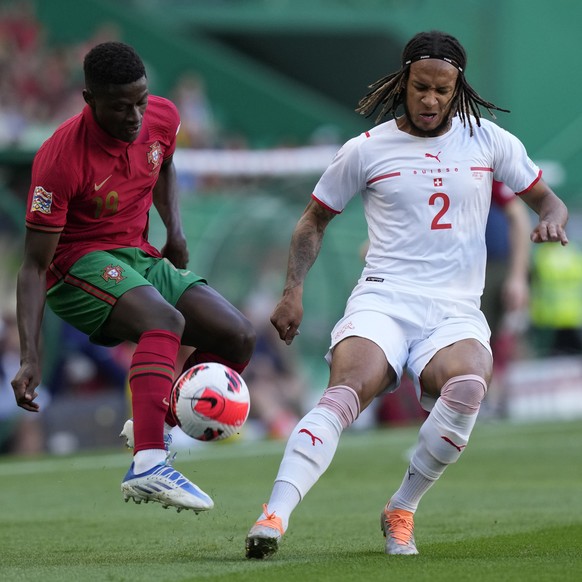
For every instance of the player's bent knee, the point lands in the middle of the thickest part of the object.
(343, 401)
(464, 394)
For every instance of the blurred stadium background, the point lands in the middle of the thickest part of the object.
(267, 91)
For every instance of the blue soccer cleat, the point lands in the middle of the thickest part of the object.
(167, 486)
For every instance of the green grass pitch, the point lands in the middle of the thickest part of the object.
(511, 509)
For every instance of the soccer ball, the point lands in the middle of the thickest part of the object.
(210, 402)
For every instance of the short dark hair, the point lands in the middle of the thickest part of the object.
(112, 63)
(389, 92)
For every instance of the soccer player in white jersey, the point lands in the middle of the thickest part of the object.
(425, 177)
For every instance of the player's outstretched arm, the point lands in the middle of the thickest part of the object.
(304, 250)
(39, 249)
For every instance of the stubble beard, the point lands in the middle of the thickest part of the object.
(440, 129)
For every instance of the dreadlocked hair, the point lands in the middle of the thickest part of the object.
(388, 93)
(112, 63)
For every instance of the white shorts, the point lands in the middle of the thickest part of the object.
(409, 328)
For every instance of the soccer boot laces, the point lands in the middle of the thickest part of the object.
(264, 537)
(398, 528)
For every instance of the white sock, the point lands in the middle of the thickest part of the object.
(310, 449)
(285, 498)
(413, 487)
(145, 460)
(308, 453)
(442, 438)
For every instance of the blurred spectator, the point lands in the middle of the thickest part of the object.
(277, 391)
(19, 26)
(274, 376)
(40, 84)
(21, 432)
(556, 305)
(198, 126)
(80, 366)
(505, 297)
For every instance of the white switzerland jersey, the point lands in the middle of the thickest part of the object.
(426, 202)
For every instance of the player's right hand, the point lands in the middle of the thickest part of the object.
(24, 386)
(287, 317)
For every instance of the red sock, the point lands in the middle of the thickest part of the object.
(198, 357)
(151, 376)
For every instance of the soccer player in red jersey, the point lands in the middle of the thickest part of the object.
(87, 255)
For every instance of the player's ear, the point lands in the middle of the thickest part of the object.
(89, 98)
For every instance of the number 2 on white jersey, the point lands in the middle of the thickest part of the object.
(437, 222)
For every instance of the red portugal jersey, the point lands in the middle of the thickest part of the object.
(96, 190)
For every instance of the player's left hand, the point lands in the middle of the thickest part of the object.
(176, 251)
(547, 231)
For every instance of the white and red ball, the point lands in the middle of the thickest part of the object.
(210, 402)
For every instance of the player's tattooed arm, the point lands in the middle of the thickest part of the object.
(306, 242)
(305, 246)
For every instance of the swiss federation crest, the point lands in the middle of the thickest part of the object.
(41, 201)
(113, 273)
(155, 155)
